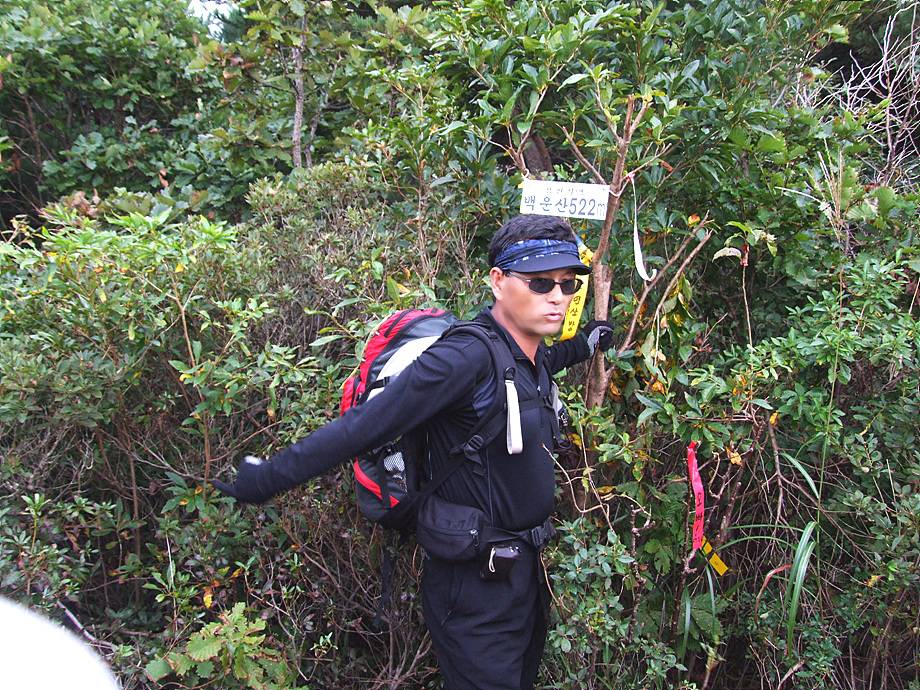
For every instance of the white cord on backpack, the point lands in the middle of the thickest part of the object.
(515, 439)
(491, 557)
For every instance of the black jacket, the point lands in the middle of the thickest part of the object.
(448, 388)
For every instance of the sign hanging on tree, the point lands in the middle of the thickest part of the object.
(568, 199)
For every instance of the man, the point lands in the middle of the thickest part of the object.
(488, 635)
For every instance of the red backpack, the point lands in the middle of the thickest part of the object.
(390, 481)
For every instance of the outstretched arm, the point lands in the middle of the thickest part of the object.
(568, 352)
(442, 375)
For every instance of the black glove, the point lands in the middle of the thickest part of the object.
(598, 334)
(252, 484)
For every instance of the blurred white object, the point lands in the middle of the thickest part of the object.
(37, 654)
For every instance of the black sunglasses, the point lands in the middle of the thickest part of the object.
(543, 286)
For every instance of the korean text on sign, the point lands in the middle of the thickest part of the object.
(569, 199)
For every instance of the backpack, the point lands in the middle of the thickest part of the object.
(390, 481)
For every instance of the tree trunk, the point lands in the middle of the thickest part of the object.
(599, 375)
(297, 154)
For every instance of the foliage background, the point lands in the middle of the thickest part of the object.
(201, 228)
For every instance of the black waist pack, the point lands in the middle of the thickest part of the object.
(450, 531)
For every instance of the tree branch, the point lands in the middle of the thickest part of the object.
(645, 293)
(683, 266)
(595, 173)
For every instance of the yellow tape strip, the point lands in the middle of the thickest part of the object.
(717, 563)
(577, 305)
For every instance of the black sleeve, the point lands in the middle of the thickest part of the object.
(565, 353)
(443, 375)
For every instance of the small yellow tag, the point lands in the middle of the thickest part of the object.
(717, 563)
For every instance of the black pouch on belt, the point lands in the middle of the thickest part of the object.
(450, 531)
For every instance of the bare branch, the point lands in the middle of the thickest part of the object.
(635, 171)
(595, 173)
(634, 125)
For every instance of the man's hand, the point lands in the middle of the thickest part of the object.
(598, 334)
(251, 484)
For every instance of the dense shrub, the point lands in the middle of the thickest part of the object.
(143, 347)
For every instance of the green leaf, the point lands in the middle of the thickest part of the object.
(529, 43)
(652, 17)
(533, 73)
(156, 669)
(796, 578)
(645, 415)
(455, 125)
(772, 143)
(323, 340)
(180, 663)
(838, 32)
(690, 69)
(743, 227)
(648, 402)
(739, 138)
(205, 669)
(573, 79)
(887, 200)
(203, 648)
(392, 289)
(508, 108)
(811, 482)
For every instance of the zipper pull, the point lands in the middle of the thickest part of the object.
(474, 533)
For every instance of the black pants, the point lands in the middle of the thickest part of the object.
(486, 635)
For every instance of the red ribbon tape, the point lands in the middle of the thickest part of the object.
(699, 498)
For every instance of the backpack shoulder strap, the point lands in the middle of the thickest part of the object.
(503, 365)
(493, 422)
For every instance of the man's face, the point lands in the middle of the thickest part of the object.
(532, 314)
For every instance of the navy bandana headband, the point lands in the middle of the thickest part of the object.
(516, 256)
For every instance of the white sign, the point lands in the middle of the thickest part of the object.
(569, 199)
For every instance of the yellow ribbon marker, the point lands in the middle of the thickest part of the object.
(577, 305)
(717, 563)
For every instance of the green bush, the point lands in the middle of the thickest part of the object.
(143, 347)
